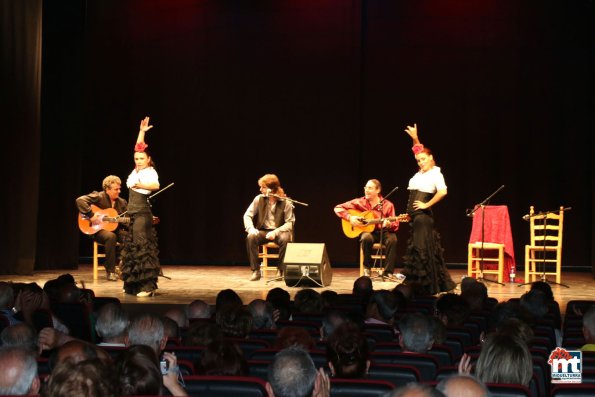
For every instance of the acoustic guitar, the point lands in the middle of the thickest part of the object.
(107, 219)
(369, 222)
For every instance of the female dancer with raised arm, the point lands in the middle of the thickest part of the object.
(141, 267)
(424, 262)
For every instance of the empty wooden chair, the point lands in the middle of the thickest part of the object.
(543, 256)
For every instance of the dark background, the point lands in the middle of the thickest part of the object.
(318, 92)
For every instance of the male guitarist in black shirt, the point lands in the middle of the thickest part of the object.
(108, 198)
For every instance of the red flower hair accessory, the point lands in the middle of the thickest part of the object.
(140, 147)
(418, 148)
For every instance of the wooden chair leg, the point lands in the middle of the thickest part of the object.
(95, 260)
(501, 264)
(361, 261)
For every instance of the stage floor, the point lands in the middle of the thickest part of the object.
(204, 282)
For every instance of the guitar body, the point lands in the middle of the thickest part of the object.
(107, 220)
(354, 231)
(370, 222)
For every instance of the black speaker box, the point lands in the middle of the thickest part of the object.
(307, 264)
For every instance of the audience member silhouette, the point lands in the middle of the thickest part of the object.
(20, 335)
(329, 298)
(179, 315)
(291, 336)
(262, 314)
(414, 390)
(139, 373)
(463, 386)
(416, 333)
(330, 321)
(347, 352)
(293, 374)
(452, 309)
(227, 297)
(281, 301)
(171, 330)
(381, 308)
(112, 325)
(147, 329)
(234, 321)
(552, 305)
(503, 359)
(589, 330)
(202, 333)
(18, 376)
(198, 308)
(7, 300)
(89, 378)
(77, 350)
(308, 301)
(223, 358)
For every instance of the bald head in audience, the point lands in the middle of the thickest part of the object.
(414, 390)
(18, 376)
(463, 386)
(179, 315)
(199, 309)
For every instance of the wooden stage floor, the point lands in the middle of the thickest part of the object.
(204, 282)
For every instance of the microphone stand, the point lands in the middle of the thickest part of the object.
(150, 206)
(381, 240)
(156, 193)
(288, 199)
(482, 205)
(544, 216)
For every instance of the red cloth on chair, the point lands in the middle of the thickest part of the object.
(496, 230)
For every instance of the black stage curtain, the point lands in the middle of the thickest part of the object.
(318, 92)
(20, 89)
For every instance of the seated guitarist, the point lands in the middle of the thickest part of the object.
(373, 204)
(108, 198)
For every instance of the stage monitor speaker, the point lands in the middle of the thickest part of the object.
(307, 264)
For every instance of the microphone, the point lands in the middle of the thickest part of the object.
(527, 217)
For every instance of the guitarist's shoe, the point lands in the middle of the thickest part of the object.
(255, 275)
(146, 293)
(367, 272)
(112, 277)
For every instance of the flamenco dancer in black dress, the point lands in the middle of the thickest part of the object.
(140, 259)
(423, 259)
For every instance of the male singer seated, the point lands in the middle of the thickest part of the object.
(381, 208)
(108, 198)
(268, 219)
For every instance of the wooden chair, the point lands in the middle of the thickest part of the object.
(491, 224)
(492, 253)
(378, 256)
(546, 245)
(264, 254)
(96, 256)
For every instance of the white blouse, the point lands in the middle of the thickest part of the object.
(428, 182)
(144, 176)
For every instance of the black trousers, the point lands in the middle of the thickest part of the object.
(109, 240)
(390, 243)
(254, 240)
